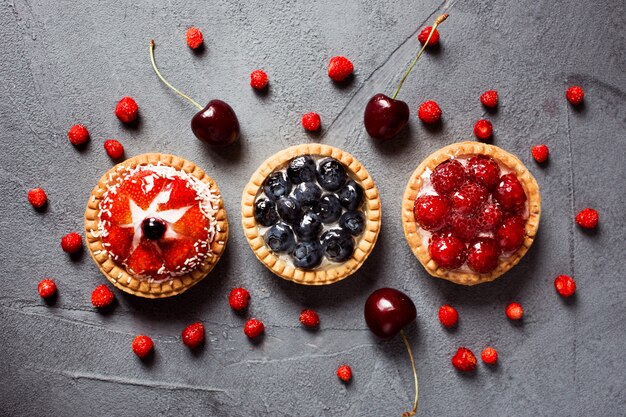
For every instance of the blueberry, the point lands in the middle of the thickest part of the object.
(328, 208)
(280, 238)
(351, 195)
(301, 169)
(353, 222)
(307, 254)
(289, 210)
(307, 193)
(153, 228)
(276, 186)
(265, 212)
(338, 245)
(331, 174)
(309, 227)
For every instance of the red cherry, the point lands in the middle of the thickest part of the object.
(431, 211)
(484, 170)
(510, 193)
(423, 36)
(385, 117)
(387, 311)
(447, 177)
(483, 254)
(468, 198)
(511, 234)
(447, 251)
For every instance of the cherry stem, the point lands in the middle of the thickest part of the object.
(408, 348)
(438, 21)
(156, 70)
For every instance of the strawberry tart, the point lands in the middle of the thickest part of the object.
(155, 225)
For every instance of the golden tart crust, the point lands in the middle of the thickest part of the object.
(117, 274)
(365, 243)
(412, 231)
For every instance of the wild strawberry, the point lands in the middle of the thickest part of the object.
(429, 112)
(489, 217)
(483, 129)
(510, 193)
(448, 251)
(469, 198)
(448, 176)
(114, 149)
(194, 37)
(448, 316)
(37, 197)
(253, 328)
(431, 211)
(193, 335)
(238, 299)
(540, 153)
(484, 171)
(464, 360)
(309, 318)
(511, 234)
(78, 135)
(71, 242)
(339, 68)
(489, 99)
(575, 95)
(344, 373)
(258, 79)
(483, 254)
(102, 296)
(47, 288)
(514, 311)
(142, 345)
(127, 110)
(587, 218)
(565, 285)
(423, 36)
(311, 121)
(489, 356)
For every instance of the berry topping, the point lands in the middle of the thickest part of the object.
(78, 135)
(265, 212)
(464, 360)
(127, 110)
(483, 129)
(153, 228)
(253, 328)
(102, 296)
(193, 335)
(37, 197)
(280, 238)
(47, 288)
(307, 254)
(429, 112)
(489, 356)
(339, 68)
(447, 177)
(71, 242)
(511, 234)
(514, 311)
(483, 254)
(307, 193)
(464, 227)
(353, 222)
(423, 36)
(301, 169)
(194, 37)
(276, 185)
(239, 298)
(351, 195)
(289, 210)
(448, 251)
(344, 373)
(489, 98)
(329, 208)
(142, 346)
(338, 245)
(468, 198)
(587, 218)
(575, 95)
(448, 316)
(431, 211)
(311, 121)
(540, 153)
(484, 170)
(564, 285)
(331, 174)
(510, 193)
(309, 318)
(258, 79)
(310, 226)
(489, 217)
(113, 148)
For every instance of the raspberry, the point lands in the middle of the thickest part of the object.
(309, 318)
(253, 328)
(575, 95)
(489, 356)
(311, 121)
(344, 373)
(194, 37)
(102, 296)
(431, 211)
(540, 153)
(448, 316)
(448, 251)
(339, 68)
(448, 176)
(464, 227)
(489, 217)
(469, 198)
(37, 197)
(587, 218)
(483, 129)
(423, 36)
(484, 170)
(127, 110)
(429, 112)
(239, 299)
(78, 135)
(511, 234)
(483, 254)
(464, 360)
(193, 335)
(514, 311)
(489, 98)
(258, 79)
(510, 193)
(47, 288)
(142, 345)
(71, 242)
(114, 149)
(564, 285)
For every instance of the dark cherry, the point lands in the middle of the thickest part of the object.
(387, 311)
(385, 117)
(153, 228)
(216, 124)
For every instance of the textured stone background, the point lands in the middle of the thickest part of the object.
(63, 62)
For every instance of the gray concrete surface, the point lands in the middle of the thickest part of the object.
(65, 62)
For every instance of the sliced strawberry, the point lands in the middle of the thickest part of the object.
(143, 187)
(119, 240)
(182, 194)
(176, 251)
(145, 260)
(193, 224)
(117, 211)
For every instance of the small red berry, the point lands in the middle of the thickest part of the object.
(102, 296)
(483, 254)
(448, 251)
(575, 95)
(114, 149)
(142, 345)
(484, 170)
(78, 134)
(431, 212)
(71, 242)
(540, 153)
(429, 112)
(448, 176)
(253, 328)
(483, 129)
(511, 234)
(238, 299)
(464, 360)
(47, 288)
(510, 193)
(127, 110)
(469, 198)
(193, 335)
(565, 285)
(258, 79)
(311, 121)
(423, 36)
(344, 373)
(514, 311)
(489, 217)
(309, 318)
(37, 197)
(464, 227)
(587, 218)
(489, 356)
(489, 98)
(339, 68)
(448, 316)
(194, 37)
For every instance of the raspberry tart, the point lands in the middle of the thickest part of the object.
(155, 225)
(470, 212)
(311, 214)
